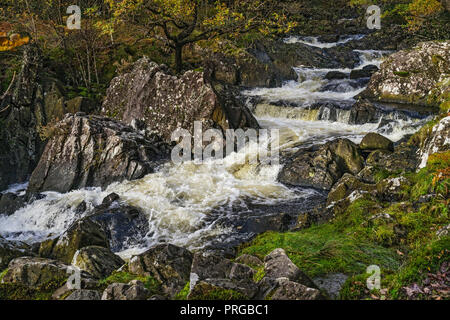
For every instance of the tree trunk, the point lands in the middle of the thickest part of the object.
(179, 57)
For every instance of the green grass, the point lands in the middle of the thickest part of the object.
(323, 249)
(125, 277)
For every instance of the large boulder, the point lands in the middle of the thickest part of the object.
(97, 261)
(418, 76)
(321, 167)
(164, 102)
(92, 151)
(345, 186)
(168, 264)
(35, 272)
(80, 234)
(10, 250)
(374, 141)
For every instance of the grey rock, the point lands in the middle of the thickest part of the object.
(168, 264)
(97, 261)
(86, 295)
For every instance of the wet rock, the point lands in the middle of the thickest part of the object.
(80, 234)
(135, 290)
(336, 75)
(123, 225)
(322, 167)
(97, 261)
(365, 72)
(249, 260)
(92, 151)
(278, 265)
(374, 141)
(35, 272)
(10, 203)
(110, 199)
(10, 250)
(364, 112)
(168, 264)
(86, 295)
(414, 76)
(165, 102)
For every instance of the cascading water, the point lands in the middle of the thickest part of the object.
(199, 205)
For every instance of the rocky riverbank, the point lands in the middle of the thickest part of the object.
(105, 204)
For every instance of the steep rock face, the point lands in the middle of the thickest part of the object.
(35, 98)
(165, 103)
(322, 167)
(419, 76)
(437, 141)
(92, 151)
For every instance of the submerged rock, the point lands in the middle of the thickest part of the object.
(164, 102)
(322, 167)
(417, 76)
(92, 151)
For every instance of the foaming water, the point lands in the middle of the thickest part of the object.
(177, 201)
(314, 41)
(312, 86)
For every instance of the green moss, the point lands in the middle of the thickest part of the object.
(2, 274)
(15, 291)
(260, 273)
(125, 277)
(403, 74)
(324, 249)
(182, 295)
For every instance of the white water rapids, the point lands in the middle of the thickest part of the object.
(178, 199)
